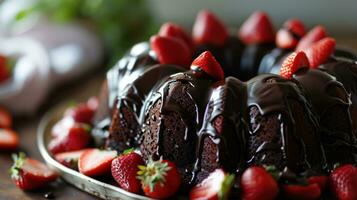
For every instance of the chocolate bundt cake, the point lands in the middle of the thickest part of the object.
(296, 110)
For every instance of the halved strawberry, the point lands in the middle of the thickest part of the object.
(207, 63)
(170, 29)
(286, 37)
(76, 137)
(30, 174)
(208, 29)
(5, 118)
(160, 179)
(80, 113)
(4, 69)
(9, 140)
(257, 29)
(343, 182)
(257, 183)
(320, 52)
(124, 170)
(302, 192)
(70, 158)
(62, 126)
(96, 162)
(171, 50)
(216, 186)
(314, 35)
(296, 26)
(293, 63)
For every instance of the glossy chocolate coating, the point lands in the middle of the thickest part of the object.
(124, 129)
(272, 61)
(221, 142)
(331, 103)
(276, 106)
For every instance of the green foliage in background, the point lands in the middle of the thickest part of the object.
(120, 23)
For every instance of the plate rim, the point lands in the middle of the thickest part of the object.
(86, 180)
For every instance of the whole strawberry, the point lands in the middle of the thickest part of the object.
(82, 113)
(76, 137)
(124, 170)
(257, 183)
(30, 174)
(343, 182)
(160, 179)
(302, 192)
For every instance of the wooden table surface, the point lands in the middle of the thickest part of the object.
(27, 127)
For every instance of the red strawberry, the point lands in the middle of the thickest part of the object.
(5, 119)
(70, 158)
(320, 180)
(285, 38)
(343, 182)
(319, 52)
(81, 113)
(314, 35)
(216, 186)
(30, 174)
(207, 63)
(124, 170)
(257, 183)
(208, 29)
(173, 30)
(95, 162)
(160, 179)
(74, 138)
(293, 63)
(9, 140)
(295, 26)
(171, 50)
(311, 191)
(4, 69)
(257, 29)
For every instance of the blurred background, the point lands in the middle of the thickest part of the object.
(45, 44)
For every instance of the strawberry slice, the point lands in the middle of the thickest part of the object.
(285, 38)
(343, 182)
(308, 192)
(295, 26)
(173, 30)
(257, 183)
(171, 50)
(293, 63)
(5, 118)
(30, 174)
(81, 113)
(95, 162)
(70, 158)
(257, 29)
(9, 140)
(208, 29)
(216, 186)
(314, 35)
(207, 63)
(125, 169)
(76, 137)
(320, 52)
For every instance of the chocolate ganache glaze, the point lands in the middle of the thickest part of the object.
(172, 116)
(331, 103)
(221, 142)
(124, 128)
(282, 129)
